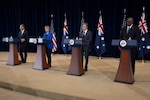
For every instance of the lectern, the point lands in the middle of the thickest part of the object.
(13, 52)
(124, 73)
(76, 63)
(40, 62)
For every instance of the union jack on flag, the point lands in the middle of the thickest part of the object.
(144, 46)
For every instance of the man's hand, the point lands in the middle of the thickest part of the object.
(23, 39)
(80, 38)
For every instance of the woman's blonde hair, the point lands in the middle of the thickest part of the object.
(46, 27)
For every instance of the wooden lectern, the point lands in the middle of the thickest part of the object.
(40, 63)
(76, 63)
(13, 52)
(124, 73)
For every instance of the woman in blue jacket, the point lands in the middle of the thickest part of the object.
(48, 36)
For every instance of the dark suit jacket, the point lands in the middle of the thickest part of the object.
(86, 39)
(134, 33)
(25, 36)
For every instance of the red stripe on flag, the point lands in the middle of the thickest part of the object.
(54, 43)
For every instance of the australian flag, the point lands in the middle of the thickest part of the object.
(144, 45)
(99, 41)
(65, 35)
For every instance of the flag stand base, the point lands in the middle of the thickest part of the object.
(143, 61)
(100, 57)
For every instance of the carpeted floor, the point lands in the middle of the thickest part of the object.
(54, 84)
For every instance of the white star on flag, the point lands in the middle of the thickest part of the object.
(148, 47)
(102, 38)
(97, 47)
(143, 39)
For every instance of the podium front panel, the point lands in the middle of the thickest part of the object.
(76, 63)
(13, 55)
(40, 63)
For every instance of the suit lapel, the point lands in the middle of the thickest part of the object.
(23, 33)
(20, 34)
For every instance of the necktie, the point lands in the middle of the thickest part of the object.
(84, 33)
(128, 29)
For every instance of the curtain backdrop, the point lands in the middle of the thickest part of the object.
(35, 14)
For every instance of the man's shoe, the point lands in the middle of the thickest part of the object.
(24, 61)
(86, 69)
(49, 65)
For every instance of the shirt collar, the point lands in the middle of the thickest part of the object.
(22, 31)
(130, 26)
(86, 31)
(47, 33)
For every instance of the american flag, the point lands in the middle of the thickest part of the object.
(124, 20)
(99, 41)
(54, 37)
(82, 21)
(123, 24)
(144, 46)
(65, 35)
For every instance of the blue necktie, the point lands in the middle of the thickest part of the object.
(128, 29)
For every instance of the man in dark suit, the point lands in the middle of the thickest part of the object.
(131, 32)
(86, 37)
(23, 42)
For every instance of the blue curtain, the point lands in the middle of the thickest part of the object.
(35, 14)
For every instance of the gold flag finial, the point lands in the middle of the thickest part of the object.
(51, 15)
(100, 12)
(82, 13)
(124, 10)
(65, 14)
(143, 8)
